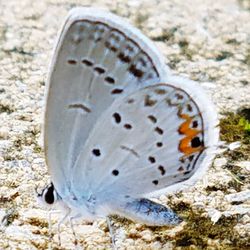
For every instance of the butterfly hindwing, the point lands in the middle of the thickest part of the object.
(145, 142)
(96, 56)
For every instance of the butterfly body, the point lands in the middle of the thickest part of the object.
(119, 128)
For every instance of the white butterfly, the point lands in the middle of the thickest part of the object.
(118, 126)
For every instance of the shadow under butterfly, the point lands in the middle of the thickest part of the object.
(119, 127)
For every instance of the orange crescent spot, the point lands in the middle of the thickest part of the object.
(186, 149)
(185, 125)
(190, 133)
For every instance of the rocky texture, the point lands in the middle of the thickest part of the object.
(208, 41)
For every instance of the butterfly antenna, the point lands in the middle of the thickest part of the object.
(112, 235)
(36, 190)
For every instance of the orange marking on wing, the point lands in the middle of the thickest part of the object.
(185, 125)
(190, 133)
(186, 149)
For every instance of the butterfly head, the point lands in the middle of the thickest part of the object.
(49, 195)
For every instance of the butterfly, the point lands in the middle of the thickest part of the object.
(119, 127)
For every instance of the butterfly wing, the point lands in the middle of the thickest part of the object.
(97, 55)
(147, 142)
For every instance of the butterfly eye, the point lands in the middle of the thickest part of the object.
(49, 194)
(49, 198)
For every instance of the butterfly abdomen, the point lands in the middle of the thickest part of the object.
(150, 213)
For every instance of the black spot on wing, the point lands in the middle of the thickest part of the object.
(196, 142)
(149, 102)
(135, 71)
(99, 70)
(195, 124)
(159, 144)
(72, 62)
(151, 159)
(96, 152)
(115, 172)
(155, 182)
(87, 62)
(152, 118)
(159, 130)
(128, 126)
(109, 80)
(191, 157)
(116, 91)
(117, 117)
(124, 58)
(162, 170)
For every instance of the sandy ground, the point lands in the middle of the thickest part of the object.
(208, 41)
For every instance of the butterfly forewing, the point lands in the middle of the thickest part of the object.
(146, 141)
(96, 57)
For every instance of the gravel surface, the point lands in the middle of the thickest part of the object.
(207, 41)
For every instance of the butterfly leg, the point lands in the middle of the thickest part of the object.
(72, 227)
(111, 232)
(50, 224)
(68, 211)
(73, 231)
